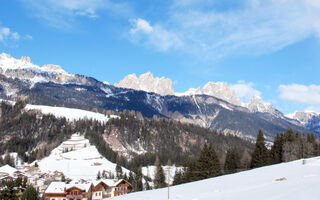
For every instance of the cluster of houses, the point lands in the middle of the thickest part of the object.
(87, 191)
(8, 173)
(58, 190)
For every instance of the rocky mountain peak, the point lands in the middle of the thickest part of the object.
(147, 82)
(256, 104)
(303, 117)
(220, 90)
(26, 59)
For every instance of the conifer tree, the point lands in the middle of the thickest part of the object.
(232, 162)
(159, 179)
(208, 164)
(98, 175)
(138, 180)
(178, 179)
(276, 149)
(260, 156)
(119, 171)
(30, 194)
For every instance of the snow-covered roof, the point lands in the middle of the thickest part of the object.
(109, 182)
(84, 186)
(8, 169)
(60, 187)
(56, 187)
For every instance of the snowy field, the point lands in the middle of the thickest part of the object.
(70, 113)
(80, 164)
(286, 181)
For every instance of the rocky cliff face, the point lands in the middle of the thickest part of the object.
(311, 120)
(220, 90)
(147, 82)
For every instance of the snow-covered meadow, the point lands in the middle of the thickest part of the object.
(285, 181)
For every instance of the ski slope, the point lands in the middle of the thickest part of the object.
(286, 181)
(79, 164)
(70, 113)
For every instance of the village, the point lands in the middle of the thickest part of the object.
(61, 185)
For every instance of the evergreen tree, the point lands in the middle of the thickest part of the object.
(137, 182)
(277, 149)
(98, 175)
(159, 179)
(208, 164)
(119, 171)
(260, 156)
(178, 178)
(9, 190)
(30, 194)
(232, 162)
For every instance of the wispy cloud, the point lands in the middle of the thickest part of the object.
(244, 90)
(155, 36)
(303, 94)
(7, 35)
(214, 29)
(63, 13)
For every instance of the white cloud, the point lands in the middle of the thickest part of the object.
(28, 37)
(298, 93)
(215, 29)
(140, 25)
(6, 34)
(63, 13)
(245, 91)
(155, 36)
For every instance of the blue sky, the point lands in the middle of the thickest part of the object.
(260, 47)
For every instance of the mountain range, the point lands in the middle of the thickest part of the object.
(214, 106)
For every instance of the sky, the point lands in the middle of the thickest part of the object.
(259, 47)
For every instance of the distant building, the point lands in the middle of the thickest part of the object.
(76, 142)
(110, 188)
(63, 191)
(89, 191)
(10, 173)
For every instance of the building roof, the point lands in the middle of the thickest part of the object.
(56, 187)
(8, 169)
(109, 182)
(84, 186)
(60, 187)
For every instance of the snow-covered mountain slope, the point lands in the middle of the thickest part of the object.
(303, 117)
(220, 90)
(70, 113)
(147, 82)
(292, 180)
(311, 120)
(256, 104)
(24, 69)
(83, 163)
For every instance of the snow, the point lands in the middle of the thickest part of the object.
(7, 62)
(84, 163)
(292, 180)
(70, 113)
(8, 169)
(150, 172)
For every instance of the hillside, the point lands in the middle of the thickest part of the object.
(82, 163)
(292, 180)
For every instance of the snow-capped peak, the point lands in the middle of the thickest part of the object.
(256, 104)
(147, 82)
(7, 62)
(220, 90)
(302, 116)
